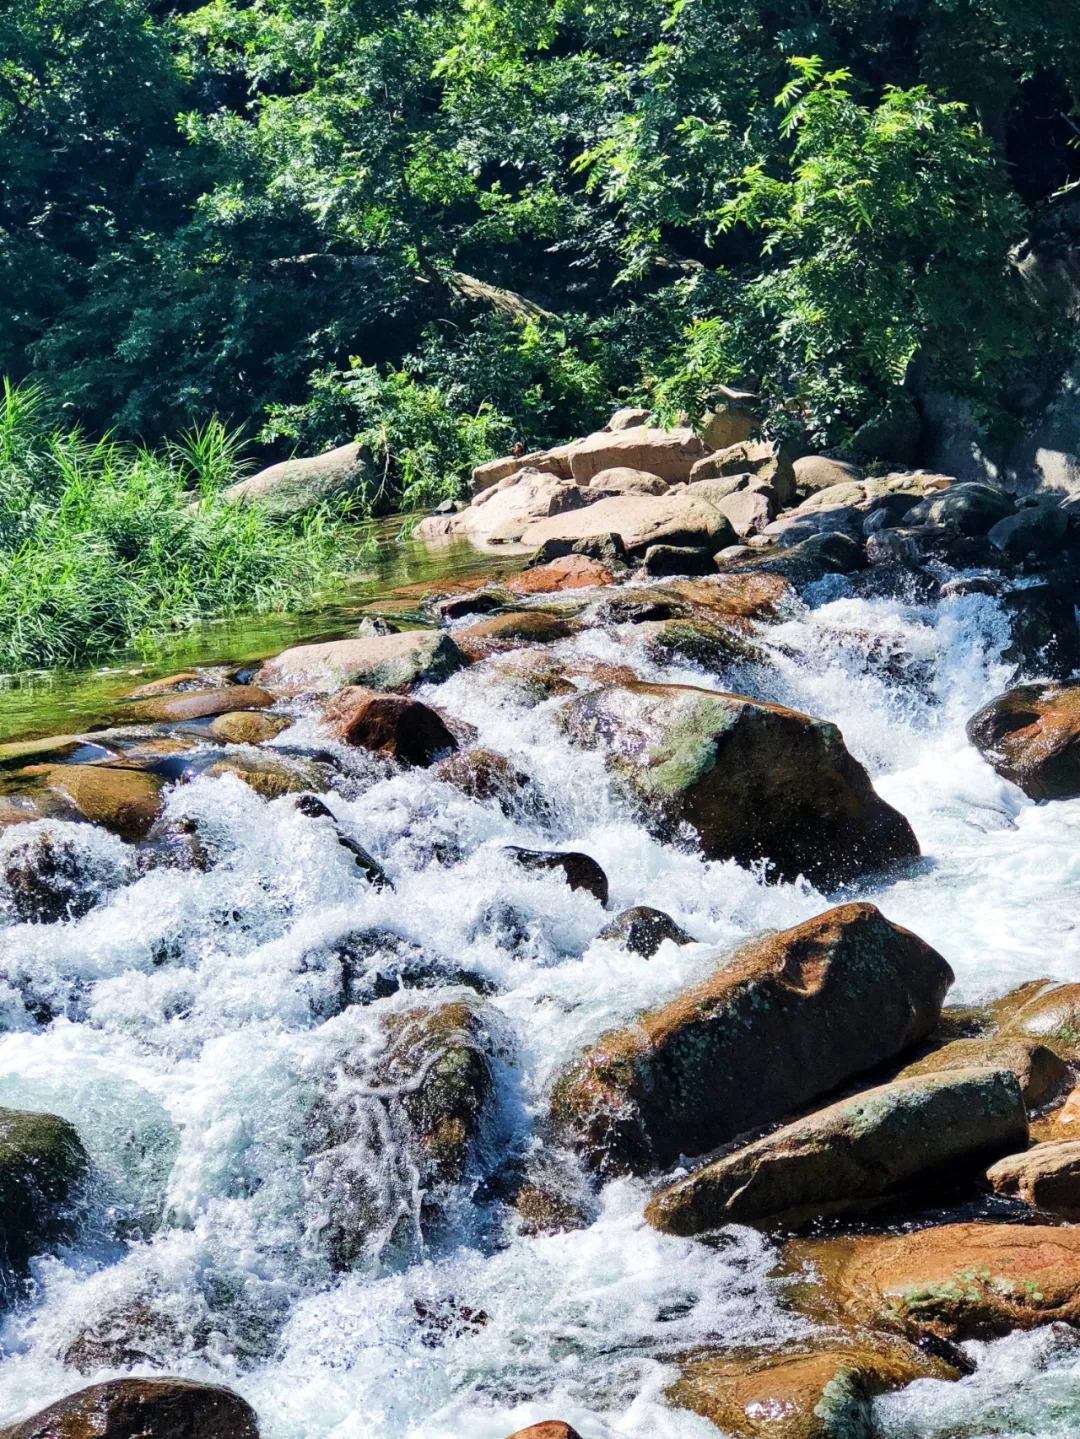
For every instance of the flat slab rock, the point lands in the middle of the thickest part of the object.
(379, 662)
(853, 1153)
(957, 1281)
(786, 1018)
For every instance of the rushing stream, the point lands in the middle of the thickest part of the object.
(196, 1026)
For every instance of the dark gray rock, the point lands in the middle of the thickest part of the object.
(643, 930)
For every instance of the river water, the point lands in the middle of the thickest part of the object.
(197, 1028)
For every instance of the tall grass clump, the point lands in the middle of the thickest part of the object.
(102, 545)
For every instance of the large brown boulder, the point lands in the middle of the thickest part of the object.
(670, 454)
(817, 1388)
(42, 1164)
(677, 518)
(126, 801)
(379, 662)
(394, 726)
(787, 1018)
(293, 486)
(1031, 735)
(570, 572)
(764, 460)
(756, 781)
(510, 631)
(1042, 1010)
(853, 1154)
(1046, 1177)
(142, 1409)
(958, 1281)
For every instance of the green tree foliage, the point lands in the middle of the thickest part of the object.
(453, 225)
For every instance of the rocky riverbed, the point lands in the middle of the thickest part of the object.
(638, 997)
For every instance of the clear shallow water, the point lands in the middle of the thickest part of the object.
(199, 1031)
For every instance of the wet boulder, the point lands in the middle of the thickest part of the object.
(581, 871)
(413, 1114)
(269, 775)
(314, 808)
(1035, 529)
(733, 599)
(1039, 1071)
(757, 782)
(695, 639)
(1031, 736)
(198, 704)
(125, 801)
(394, 726)
(784, 1020)
(642, 930)
(971, 508)
(819, 1388)
(833, 552)
(484, 775)
(571, 572)
(853, 1154)
(293, 486)
(42, 1165)
(248, 727)
(546, 1429)
(1044, 636)
(1047, 1177)
(511, 631)
(660, 560)
(46, 875)
(955, 1282)
(379, 662)
(378, 962)
(142, 1409)
(1042, 1010)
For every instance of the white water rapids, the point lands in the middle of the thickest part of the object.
(192, 1040)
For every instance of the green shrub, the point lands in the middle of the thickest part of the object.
(101, 545)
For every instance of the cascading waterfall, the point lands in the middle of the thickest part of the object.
(198, 1038)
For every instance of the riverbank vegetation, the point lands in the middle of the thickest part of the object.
(450, 227)
(104, 544)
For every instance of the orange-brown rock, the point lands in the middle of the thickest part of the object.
(546, 1429)
(1038, 1069)
(737, 600)
(1031, 735)
(142, 1409)
(757, 782)
(394, 726)
(510, 631)
(168, 684)
(958, 1281)
(1046, 1177)
(248, 726)
(1060, 1123)
(573, 572)
(670, 454)
(786, 1019)
(125, 801)
(811, 1389)
(197, 704)
(1045, 1010)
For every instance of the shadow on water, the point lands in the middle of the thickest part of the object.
(393, 579)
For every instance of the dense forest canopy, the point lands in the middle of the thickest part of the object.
(455, 225)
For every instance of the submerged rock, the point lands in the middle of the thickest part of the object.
(1046, 1177)
(48, 876)
(958, 1281)
(126, 801)
(42, 1164)
(853, 1154)
(757, 782)
(1031, 736)
(482, 774)
(572, 572)
(787, 1018)
(379, 662)
(581, 870)
(394, 726)
(642, 930)
(197, 705)
(818, 1388)
(142, 1409)
(248, 727)
(408, 1123)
